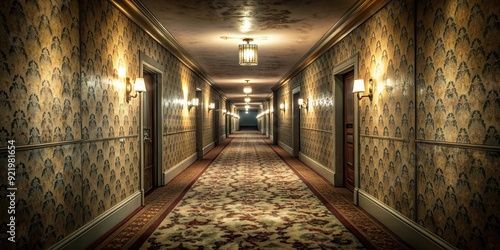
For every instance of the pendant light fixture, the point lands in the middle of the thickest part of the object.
(248, 53)
(247, 89)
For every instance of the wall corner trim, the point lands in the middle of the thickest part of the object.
(177, 169)
(83, 237)
(285, 147)
(406, 229)
(318, 167)
(208, 148)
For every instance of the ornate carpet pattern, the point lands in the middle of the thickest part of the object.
(250, 199)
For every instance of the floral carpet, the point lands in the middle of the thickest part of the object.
(249, 194)
(250, 199)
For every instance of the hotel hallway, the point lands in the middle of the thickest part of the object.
(249, 194)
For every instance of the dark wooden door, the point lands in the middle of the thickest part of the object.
(296, 125)
(149, 131)
(348, 131)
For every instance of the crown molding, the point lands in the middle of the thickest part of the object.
(354, 17)
(136, 11)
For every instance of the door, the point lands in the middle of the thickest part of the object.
(348, 131)
(149, 131)
(296, 124)
(216, 119)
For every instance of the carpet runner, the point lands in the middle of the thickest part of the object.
(253, 195)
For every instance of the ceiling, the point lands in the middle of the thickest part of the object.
(206, 34)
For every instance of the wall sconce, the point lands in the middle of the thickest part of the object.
(302, 104)
(211, 106)
(139, 87)
(193, 103)
(359, 87)
(282, 106)
(388, 85)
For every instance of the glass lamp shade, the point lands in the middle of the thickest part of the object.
(248, 54)
(300, 102)
(139, 85)
(247, 99)
(359, 86)
(247, 89)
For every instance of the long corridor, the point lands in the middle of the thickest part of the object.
(251, 195)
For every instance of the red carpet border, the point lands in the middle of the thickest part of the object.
(243, 232)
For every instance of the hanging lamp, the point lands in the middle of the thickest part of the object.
(248, 53)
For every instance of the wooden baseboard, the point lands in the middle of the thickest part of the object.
(92, 231)
(285, 147)
(177, 169)
(319, 168)
(208, 148)
(406, 229)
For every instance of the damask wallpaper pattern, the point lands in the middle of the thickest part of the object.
(284, 120)
(458, 121)
(40, 99)
(316, 123)
(64, 102)
(442, 60)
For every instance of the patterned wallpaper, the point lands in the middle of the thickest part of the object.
(458, 101)
(209, 95)
(316, 123)
(40, 90)
(63, 99)
(40, 102)
(284, 95)
(387, 158)
(450, 190)
(271, 117)
(385, 45)
(179, 122)
(222, 117)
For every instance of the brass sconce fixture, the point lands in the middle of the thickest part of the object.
(211, 106)
(302, 104)
(282, 106)
(139, 87)
(359, 87)
(193, 103)
(388, 85)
